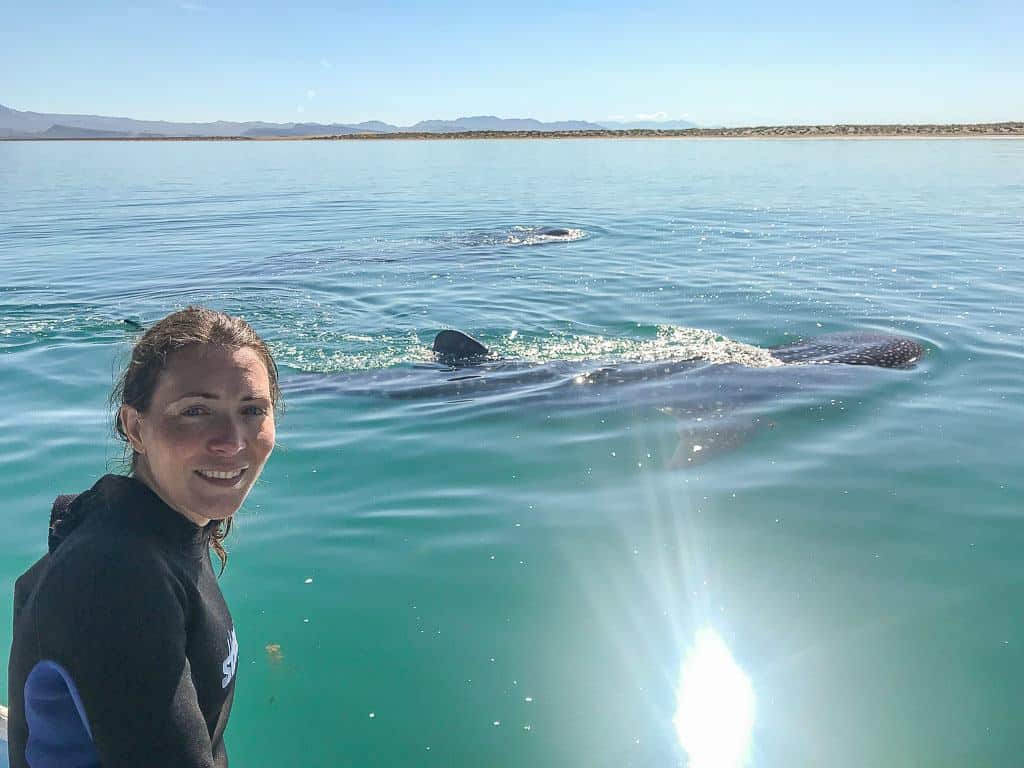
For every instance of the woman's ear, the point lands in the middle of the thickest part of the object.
(131, 423)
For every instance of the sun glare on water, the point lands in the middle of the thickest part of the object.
(714, 705)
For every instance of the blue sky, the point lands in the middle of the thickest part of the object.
(737, 63)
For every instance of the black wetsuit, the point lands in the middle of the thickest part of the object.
(124, 652)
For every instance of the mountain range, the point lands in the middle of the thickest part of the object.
(37, 125)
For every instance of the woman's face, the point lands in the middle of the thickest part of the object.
(208, 431)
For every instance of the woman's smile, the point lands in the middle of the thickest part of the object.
(222, 478)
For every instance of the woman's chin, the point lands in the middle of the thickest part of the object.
(215, 503)
(203, 510)
(221, 510)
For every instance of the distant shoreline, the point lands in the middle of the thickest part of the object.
(951, 131)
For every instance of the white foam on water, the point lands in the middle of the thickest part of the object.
(335, 352)
(670, 343)
(372, 353)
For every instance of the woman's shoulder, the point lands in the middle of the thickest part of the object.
(115, 539)
(108, 548)
(96, 566)
(94, 571)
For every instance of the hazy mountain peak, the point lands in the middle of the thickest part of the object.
(16, 124)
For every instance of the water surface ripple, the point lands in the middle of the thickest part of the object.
(515, 582)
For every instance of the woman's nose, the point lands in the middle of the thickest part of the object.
(227, 438)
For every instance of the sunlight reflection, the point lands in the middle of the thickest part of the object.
(714, 705)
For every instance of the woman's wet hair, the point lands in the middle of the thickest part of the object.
(192, 326)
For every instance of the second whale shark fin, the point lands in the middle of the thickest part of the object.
(456, 345)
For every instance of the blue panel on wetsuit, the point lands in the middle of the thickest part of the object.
(58, 731)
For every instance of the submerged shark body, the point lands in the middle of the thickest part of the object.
(716, 405)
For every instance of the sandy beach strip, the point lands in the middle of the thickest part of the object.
(898, 131)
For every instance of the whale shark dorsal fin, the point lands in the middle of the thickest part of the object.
(457, 345)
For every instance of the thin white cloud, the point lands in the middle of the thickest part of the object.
(311, 94)
(300, 108)
(325, 63)
(655, 116)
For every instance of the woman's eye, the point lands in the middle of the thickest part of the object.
(194, 410)
(255, 410)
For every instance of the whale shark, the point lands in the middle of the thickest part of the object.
(718, 404)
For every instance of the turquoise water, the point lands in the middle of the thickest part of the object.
(527, 585)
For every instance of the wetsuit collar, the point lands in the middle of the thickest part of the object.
(136, 505)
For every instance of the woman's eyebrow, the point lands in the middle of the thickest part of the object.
(212, 396)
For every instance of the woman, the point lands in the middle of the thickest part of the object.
(124, 652)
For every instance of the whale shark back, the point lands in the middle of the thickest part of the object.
(716, 406)
(876, 349)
